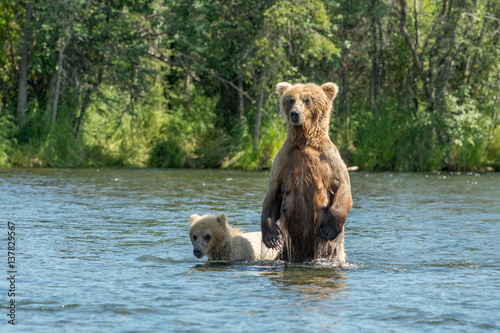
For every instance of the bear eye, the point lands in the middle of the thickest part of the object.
(195, 237)
(307, 101)
(291, 101)
(207, 238)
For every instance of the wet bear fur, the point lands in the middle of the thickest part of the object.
(212, 236)
(309, 187)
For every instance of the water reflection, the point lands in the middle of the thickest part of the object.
(309, 283)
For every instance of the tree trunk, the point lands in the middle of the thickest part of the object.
(59, 76)
(375, 70)
(83, 109)
(344, 100)
(470, 68)
(50, 98)
(417, 30)
(22, 97)
(187, 89)
(81, 118)
(343, 96)
(256, 129)
(86, 101)
(381, 61)
(241, 105)
(416, 59)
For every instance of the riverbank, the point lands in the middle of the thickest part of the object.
(155, 138)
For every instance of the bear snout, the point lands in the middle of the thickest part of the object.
(197, 252)
(295, 117)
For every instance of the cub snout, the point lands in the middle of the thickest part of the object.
(197, 252)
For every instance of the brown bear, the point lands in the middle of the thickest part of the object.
(212, 236)
(309, 186)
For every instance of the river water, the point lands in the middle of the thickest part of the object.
(108, 251)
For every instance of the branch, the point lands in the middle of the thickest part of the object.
(162, 58)
(212, 72)
(206, 70)
(489, 17)
(416, 59)
(434, 26)
(417, 30)
(485, 16)
(449, 60)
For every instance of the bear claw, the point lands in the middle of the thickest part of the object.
(273, 242)
(327, 233)
(271, 234)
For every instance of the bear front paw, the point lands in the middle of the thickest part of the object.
(328, 232)
(272, 241)
(271, 235)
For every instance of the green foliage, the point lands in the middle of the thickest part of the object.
(243, 155)
(398, 140)
(418, 147)
(7, 138)
(394, 139)
(43, 145)
(376, 138)
(187, 129)
(465, 126)
(493, 151)
(177, 83)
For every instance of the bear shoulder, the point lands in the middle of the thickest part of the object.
(242, 248)
(261, 252)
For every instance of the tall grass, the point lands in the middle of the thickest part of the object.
(401, 139)
(180, 130)
(7, 138)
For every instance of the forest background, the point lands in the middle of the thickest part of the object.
(87, 83)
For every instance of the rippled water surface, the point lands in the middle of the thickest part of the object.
(108, 251)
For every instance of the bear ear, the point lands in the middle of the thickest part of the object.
(330, 90)
(282, 87)
(195, 218)
(222, 218)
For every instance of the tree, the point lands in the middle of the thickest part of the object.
(22, 98)
(417, 79)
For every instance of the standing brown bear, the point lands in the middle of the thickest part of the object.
(309, 186)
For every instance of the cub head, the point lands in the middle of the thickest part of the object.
(207, 233)
(306, 105)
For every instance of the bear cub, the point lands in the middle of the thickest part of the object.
(212, 236)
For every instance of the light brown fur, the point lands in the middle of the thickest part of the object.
(309, 186)
(212, 236)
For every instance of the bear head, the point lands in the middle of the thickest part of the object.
(208, 233)
(307, 106)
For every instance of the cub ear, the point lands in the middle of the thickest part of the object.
(222, 218)
(281, 87)
(195, 218)
(330, 90)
